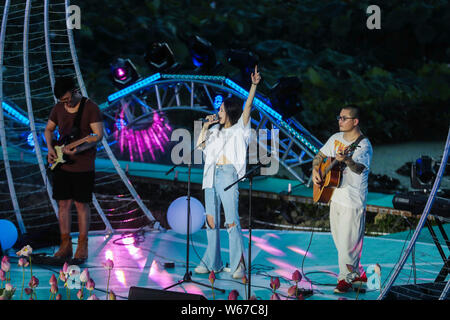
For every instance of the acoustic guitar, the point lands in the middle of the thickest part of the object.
(59, 149)
(331, 173)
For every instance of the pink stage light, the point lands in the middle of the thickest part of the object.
(160, 277)
(300, 251)
(120, 276)
(191, 288)
(144, 140)
(109, 255)
(263, 245)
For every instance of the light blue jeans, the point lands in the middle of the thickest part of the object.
(224, 175)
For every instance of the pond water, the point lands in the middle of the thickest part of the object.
(388, 158)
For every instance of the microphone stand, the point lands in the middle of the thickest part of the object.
(249, 174)
(187, 275)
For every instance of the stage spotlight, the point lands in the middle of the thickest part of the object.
(160, 58)
(245, 61)
(422, 173)
(285, 96)
(202, 53)
(123, 73)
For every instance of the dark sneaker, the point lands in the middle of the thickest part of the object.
(342, 287)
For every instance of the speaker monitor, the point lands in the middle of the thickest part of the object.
(138, 293)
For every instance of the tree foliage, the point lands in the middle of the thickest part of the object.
(399, 74)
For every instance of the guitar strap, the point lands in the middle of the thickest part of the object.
(76, 128)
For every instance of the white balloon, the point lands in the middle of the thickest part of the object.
(177, 215)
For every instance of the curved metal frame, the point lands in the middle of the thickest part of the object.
(104, 142)
(421, 223)
(9, 177)
(288, 157)
(30, 106)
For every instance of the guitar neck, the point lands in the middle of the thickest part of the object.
(77, 143)
(331, 166)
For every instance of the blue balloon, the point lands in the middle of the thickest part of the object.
(8, 234)
(177, 215)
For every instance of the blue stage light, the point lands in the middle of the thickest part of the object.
(30, 140)
(218, 102)
(15, 114)
(134, 87)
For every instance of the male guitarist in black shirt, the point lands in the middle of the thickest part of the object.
(73, 181)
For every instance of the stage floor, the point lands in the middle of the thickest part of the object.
(140, 262)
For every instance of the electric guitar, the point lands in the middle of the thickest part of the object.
(59, 149)
(330, 173)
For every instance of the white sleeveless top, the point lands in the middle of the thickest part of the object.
(231, 142)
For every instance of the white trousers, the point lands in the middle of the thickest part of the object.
(347, 228)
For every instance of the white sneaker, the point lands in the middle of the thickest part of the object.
(201, 269)
(240, 271)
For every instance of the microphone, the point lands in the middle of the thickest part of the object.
(206, 120)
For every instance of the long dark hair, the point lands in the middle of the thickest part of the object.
(233, 108)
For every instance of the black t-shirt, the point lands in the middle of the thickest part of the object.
(84, 161)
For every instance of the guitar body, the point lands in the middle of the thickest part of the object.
(322, 193)
(63, 158)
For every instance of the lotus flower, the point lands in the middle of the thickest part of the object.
(274, 283)
(62, 276)
(80, 294)
(90, 285)
(93, 297)
(84, 276)
(23, 262)
(6, 265)
(28, 291)
(297, 276)
(9, 287)
(58, 297)
(34, 282)
(275, 296)
(54, 288)
(212, 277)
(109, 264)
(2, 275)
(377, 269)
(65, 268)
(292, 291)
(233, 295)
(25, 251)
(53, 280)
(111, 295)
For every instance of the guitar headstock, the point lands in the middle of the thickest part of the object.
(91, 138)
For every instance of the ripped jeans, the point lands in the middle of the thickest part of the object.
(224, 175)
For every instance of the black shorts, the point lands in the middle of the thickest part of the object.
(77, 186)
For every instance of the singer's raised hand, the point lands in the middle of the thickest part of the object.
(256, 77)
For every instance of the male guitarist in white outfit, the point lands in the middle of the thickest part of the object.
(348, 202)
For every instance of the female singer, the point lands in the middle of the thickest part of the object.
(225, 146)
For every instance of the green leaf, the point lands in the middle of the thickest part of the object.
(314, 77)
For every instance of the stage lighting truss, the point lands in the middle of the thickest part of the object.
(165, 92)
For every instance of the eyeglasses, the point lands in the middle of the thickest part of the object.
(343, 118)
(72, 101)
